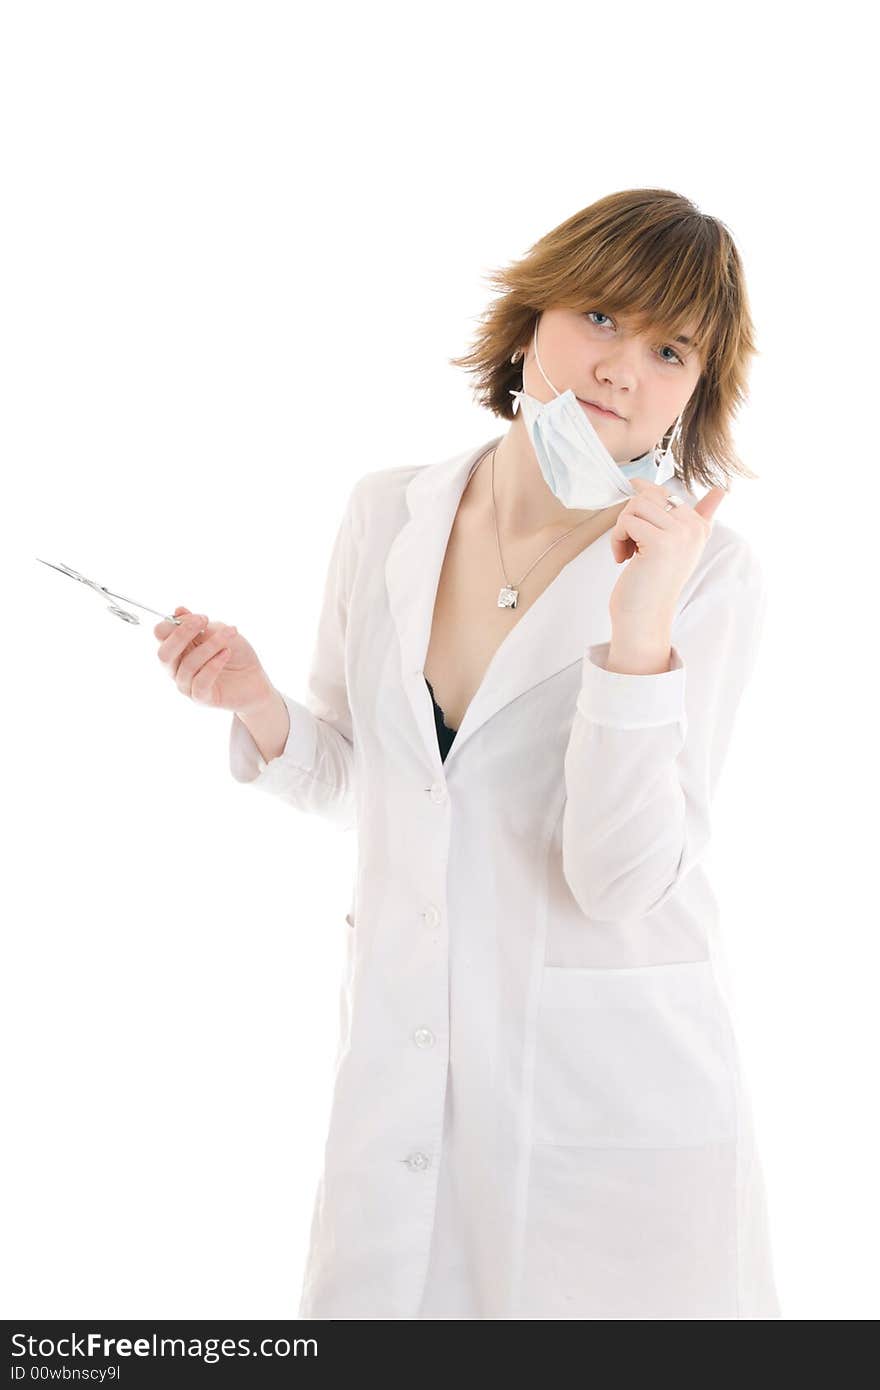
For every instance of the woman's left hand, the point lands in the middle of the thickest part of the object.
(665, 547)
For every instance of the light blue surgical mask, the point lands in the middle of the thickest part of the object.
(575, 464)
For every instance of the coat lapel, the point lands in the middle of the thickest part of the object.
(570, 615)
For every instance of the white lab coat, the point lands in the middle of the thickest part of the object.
(538, 1109)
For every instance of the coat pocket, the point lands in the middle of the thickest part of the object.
(640, 1057)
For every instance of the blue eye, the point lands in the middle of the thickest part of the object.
(665, 347)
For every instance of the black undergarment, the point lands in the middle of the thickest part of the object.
(445, 735)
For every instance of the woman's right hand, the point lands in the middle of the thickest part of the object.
(193, 653)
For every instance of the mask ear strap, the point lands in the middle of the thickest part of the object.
(538, 360)
(663, 456)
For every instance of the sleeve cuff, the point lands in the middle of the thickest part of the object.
(629, 701)
(247, 763)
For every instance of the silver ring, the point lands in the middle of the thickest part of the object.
(672, 502)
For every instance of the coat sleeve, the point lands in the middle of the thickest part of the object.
(646, 751)
(315, 770)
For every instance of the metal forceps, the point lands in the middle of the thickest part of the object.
(114, 607)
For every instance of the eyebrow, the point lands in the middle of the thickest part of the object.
(687, 342)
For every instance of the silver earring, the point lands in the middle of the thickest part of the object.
(517, 355)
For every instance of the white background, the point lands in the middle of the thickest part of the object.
(240, 242)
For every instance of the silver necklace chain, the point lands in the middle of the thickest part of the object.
(508, 595)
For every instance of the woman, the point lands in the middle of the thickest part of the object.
(523, 702)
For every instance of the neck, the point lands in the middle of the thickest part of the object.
(524, 504)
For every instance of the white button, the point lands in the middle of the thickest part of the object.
(431, 915)
(423, 1037)
(438, 792)
(418, 1161)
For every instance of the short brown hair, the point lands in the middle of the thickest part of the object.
(649, 253)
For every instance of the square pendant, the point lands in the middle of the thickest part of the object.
(507, 597)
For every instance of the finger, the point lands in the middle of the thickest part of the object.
(656, 492)
(638, 530)
(161, 630)
(645, 489)
(205, 679)
(195, 657)
(179, 638)
(641, 514)
(710, 502)
(652, 509)
(623, 550)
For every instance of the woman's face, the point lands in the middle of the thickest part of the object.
(647, 381)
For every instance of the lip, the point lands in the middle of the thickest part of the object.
(600, 410)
